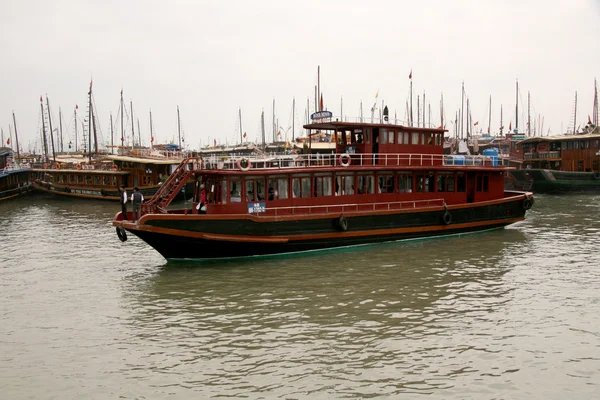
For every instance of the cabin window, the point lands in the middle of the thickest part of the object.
(107, 180)
(438, 140)
(71, 178)
(384, 134)
(358, 136)
(323, 186)
(460, 182)
(445, 182)
(391, 136)
(344, 185)
(235, 191)
(221, 195)
(250, 195)
(596, 143)
(88, 179)
(278, 189)
(405, 182)
(61, 179)
(415, 138)
(425, 183)
(406, 136)
(301, 187)
(580, 165)
(366, 184)
(386, 183)
(483, 182)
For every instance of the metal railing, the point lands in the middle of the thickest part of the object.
(342, 208)
(344, 160)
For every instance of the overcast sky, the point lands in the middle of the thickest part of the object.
(212, 58)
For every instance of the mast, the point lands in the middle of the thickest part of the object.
(501, 124)
(151, 132)
(293, 117)
(462, 107)
(60, 130)
(262, 126)
(76, 107)
(418, 113)
(424, 109)
(411, 99)
(490, 117)
(595, 112)
(50, 126)
(528, 113)
(575, 117)
(318, 86)
(442, 111)
(517, 109)
(90, 123)
(241, 133)
(132, 125)
(95, 132)
(16, 138)
(139, 132)
(274, 124)
(122, 129)
(44, 129)
(179, 127)
(112, 142)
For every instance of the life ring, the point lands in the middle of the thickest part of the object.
(45, 166)
(244, 164)
(115, 167)
(447, 217)
(78, 166)
(57, 166)
(122, 234)
(527, 203)
(345, 160)
(343, 223)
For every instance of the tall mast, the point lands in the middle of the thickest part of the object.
(122, 128)
(50, 126)
(318, 87)
(424, 109)
(16, 138)
(528, 113)
(44, 129)
(179, 127)
(90, 123)
(60, 130)
(132, 125)
(293, 117)
(517, 109)
(75, 112)
(139, 132)
(595, 112)
(112, 141)
(490, 117)
(95, 134)
(274, 125)
(418, 112)
(411, 99)
(575, 117)
(501, 124)
(262, 125)
(462, 107)
(241, 133)
(442, 111)
(151, 131)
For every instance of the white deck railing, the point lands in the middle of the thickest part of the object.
(331, 160)
(341, 208)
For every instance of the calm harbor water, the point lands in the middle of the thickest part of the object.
(504, 314)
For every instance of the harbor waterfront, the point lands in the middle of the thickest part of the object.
(507, 313)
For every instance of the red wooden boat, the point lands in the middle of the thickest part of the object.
(385, 182)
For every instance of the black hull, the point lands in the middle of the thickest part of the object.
(15, 192)
(185, 237)
(550, 181)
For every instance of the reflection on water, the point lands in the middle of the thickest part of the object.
(500, 314)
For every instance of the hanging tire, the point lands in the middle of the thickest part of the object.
(597, 175)
(342, 223)
(447, 217)
(527, 203)
(122, 234)
(103, 192)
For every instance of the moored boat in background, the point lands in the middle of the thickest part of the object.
(14, 176)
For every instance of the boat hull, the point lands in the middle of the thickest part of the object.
(100, 193)
(551, 181)
(178, 236)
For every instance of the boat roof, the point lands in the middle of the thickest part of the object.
(349, 125)
(561, 138)
(144, 160)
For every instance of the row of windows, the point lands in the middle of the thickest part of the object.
(254, 189)
(390, 136)
(97, 180)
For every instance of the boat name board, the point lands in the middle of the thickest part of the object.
(255, 208)
(321, 115)
(85, 166)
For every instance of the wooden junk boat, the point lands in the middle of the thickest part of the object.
(385, 182)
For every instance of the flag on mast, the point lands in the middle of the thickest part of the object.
(410, 75)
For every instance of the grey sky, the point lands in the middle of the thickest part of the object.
(213, 57)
